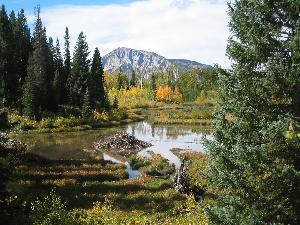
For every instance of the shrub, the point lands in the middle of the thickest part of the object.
(159, 166)
(138, 162)
(51, 211)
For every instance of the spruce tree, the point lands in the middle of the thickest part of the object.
(77, 81)
(21, 49)
(254, 157)
(96, 82)
(67, 63)
(67, 54)
(41, 67)
(23, 45)
(87, 107)
(133, 80)
(60, 81)
(7, 74)
(153, 83)
(30, 97)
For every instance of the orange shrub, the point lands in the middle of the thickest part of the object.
(166, 94)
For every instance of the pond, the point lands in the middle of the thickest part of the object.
(76, 145)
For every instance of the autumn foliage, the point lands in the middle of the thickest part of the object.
(166, 94)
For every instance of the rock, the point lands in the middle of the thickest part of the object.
(144, 62)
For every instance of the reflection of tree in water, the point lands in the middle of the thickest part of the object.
(152, 130)
(161, 131)
(174, 132)
(133, 130)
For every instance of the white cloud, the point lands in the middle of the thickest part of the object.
(191, 29)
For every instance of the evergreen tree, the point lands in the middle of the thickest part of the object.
(77, 81)
(51, 56)
(21, 41)
(171, 79)
(122, 80)
(7, 75)
(133, 80)
(60, 81)
(41, 67)
(254, 157)
(87, 107)
(30, 98)
(153, 83)
(96, 82)
(67, 62)
(23, 45)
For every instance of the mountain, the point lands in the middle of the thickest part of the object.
(143, 62)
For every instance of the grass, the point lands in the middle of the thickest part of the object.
(184, 114)
(156, 166)
(72, 123)
(98, 192)
(94, 191)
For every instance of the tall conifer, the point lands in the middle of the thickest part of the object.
(254, 159)
(96, 82)
(7, 75)
(77, 81)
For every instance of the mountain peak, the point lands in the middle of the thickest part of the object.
(144, 62)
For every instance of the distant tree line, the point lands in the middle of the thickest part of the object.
(36, 77)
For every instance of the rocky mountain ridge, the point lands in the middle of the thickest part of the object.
(144, 62)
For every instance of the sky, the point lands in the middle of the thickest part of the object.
(190, 29)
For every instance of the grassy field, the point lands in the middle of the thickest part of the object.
(94, 191)
(185, 114)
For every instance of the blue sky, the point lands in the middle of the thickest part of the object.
(29, 5)
(187, 29)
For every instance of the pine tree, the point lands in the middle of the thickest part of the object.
(87, 107)
(171, 79)
(133, 80)
(60, 81)
(21, 49)
(153, 83)
(96, 82)
(122, 80)
(7, 75)
(41, 68)
(51, 56)
(67, 62)
(254, 157)
(119, 80)
(77, 81)
(23, 41)
(30, 98)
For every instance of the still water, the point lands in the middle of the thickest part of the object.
(163, 137)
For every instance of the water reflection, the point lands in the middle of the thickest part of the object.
(167, 137)
(163, 137)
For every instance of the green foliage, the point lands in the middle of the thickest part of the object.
(250, 161)
(11, 153)
(138, 162)
(50, 210)
(96, 83)
(77, 81)
(30, 97)
(133, 80)
(37, 88)
(122, 80)
(87, 108)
